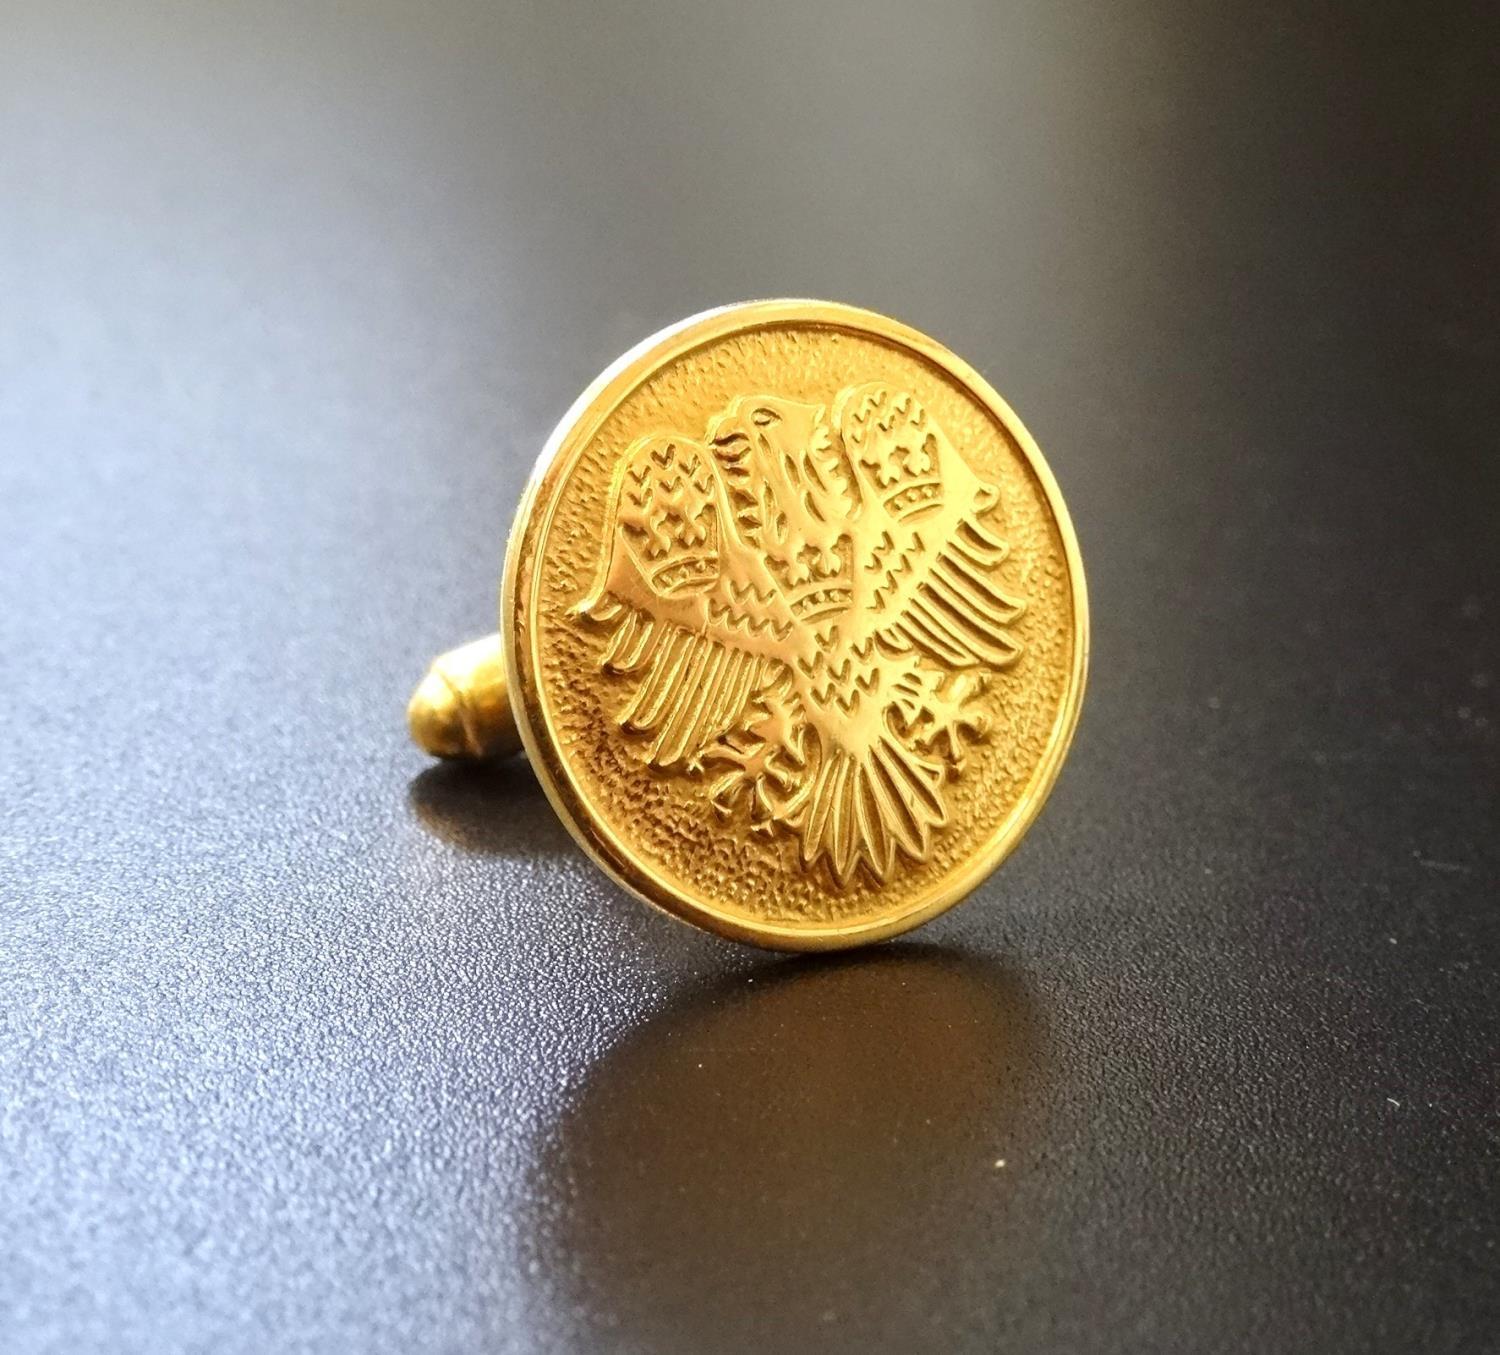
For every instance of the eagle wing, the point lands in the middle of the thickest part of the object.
(692, 689)
(934, 563)
(691, 614)
(950, 604)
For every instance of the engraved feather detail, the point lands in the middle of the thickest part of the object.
(805, 605)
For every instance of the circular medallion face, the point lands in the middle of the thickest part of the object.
(795, 624)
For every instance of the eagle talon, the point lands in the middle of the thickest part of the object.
(948, 717)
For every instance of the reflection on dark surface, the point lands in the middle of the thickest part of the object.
(797, 1130)
(494, 808)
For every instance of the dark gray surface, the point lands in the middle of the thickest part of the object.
(307, 1048)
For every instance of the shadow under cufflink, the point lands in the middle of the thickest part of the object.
(750, 1166)
(492, 808)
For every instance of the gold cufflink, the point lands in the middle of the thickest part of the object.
(793, 627)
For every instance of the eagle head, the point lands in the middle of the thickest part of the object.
(791, 496)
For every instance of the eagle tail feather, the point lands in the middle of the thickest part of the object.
(866, 805)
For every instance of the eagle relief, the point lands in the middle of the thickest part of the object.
(806, 604)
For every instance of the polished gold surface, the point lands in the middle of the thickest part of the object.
(795, 623)
(462, 709)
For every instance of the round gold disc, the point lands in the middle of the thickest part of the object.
(795, 624)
